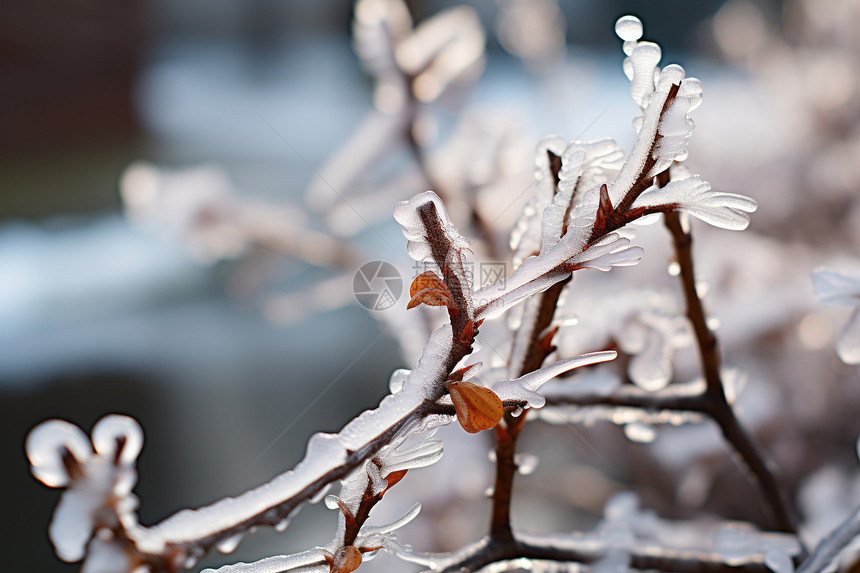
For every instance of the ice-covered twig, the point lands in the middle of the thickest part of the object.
(695, 196)
(330, 457)
(311, 561)
(676, 397)
(525, 387)
(645, 552)
(825, 555)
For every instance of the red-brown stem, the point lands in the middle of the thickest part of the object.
(509, 428)
(718, 407)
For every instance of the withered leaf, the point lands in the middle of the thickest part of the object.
(431, 297)
(346, 560)
(394, 477)
(478, 408)
(427, 279)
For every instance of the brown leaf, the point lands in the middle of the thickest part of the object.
(478, 408)
(427, 279)
(394, 477)
(468, 334)
(546, 341)
(346, 560)
(431, 297)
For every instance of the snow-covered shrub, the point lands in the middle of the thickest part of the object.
(471, 366)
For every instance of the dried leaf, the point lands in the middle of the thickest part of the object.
(546, 342)
(346, 560)
(468, 334)
(427, 279)
(394, 477)
(431, 297)
(478, 408)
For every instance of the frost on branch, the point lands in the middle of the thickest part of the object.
(695, 196)
(666, 98)
(98, 478)
(841, 287)
(525, 387)
(433, 239)
(61, 456)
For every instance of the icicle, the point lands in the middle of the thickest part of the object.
(395, 383)
(525, 387)
(230, 544)
(695, 196)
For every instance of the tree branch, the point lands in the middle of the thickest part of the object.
(718, 406)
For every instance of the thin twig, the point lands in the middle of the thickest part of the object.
(643, 557)
(718, 406)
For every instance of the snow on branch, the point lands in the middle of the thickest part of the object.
(525, 387)
(695, 196)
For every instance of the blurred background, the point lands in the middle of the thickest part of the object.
(231, 347)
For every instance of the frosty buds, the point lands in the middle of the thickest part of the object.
(478, 408)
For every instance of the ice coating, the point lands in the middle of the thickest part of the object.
(536, 269)
(848, 341)
(491, 308)
(406, 213)
(105, 556)
(45, 444)
(395, 383)
(423, 455)
(230, 544)
(628, 28)
(525, 387)
(841, 287)
(419, 248)
(583, 166)
(279, 564)
(72, 525)
(837, 286)
(643, 63)
(110, 429)
(526, 236)
(695, 196)
(552, 220)
(410, 514)
(609, 251)
(324, 453)
(415, 389)
(632, 168)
